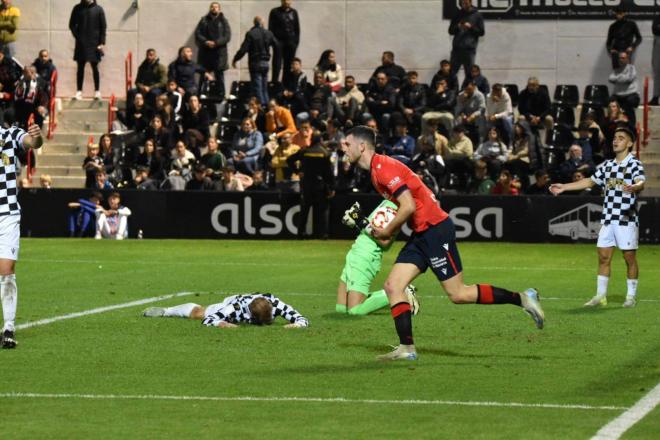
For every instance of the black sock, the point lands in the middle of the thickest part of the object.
(403, 322)
(487, 294)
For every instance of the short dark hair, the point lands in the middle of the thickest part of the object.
(389, 53)
(351, 77)
(497, 87)
(540, 173)
(413, 73)
(626, 129)
(114, 195)
(262, 311)
(460, 128)
(296, 59)
(584, 126)
(151, 49)
(443, 62)
(364, 134)
(96, 196)
(317, 137)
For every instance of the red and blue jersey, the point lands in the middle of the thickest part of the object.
(390, 178)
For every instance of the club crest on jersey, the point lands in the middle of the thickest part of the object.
(2, 143)
(5, 160)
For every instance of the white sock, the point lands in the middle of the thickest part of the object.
(9, 296)
(632, 288)
(602, 285)
(180, 311)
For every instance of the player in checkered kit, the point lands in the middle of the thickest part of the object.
(12, 140)
(622, 178)
(255, 308)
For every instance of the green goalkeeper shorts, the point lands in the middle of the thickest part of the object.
(359, 271)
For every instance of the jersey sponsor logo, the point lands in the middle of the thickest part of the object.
(394, 182)
(5, 160)
(438, 262)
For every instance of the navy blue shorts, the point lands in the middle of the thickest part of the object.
(435, 248)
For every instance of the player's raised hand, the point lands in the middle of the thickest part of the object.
(556, 189)
(380, 233)
(351, 215)
(34, 131)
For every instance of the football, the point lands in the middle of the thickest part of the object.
(383, 217)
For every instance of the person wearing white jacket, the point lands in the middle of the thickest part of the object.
(112, 223)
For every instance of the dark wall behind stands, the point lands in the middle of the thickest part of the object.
(259, 215)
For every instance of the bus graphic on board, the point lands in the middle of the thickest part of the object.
(581, 222)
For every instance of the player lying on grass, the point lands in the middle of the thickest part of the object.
(363, 263)
(622, 178)
(432, 244)
(254, 308)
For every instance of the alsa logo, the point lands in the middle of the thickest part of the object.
(270, 214)
(486, 223)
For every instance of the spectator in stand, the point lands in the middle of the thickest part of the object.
(576, 162)
(88, 26)
(380, 142)
(183, 71)
(346, 104)
(295, 89)
(152, 160)
(333, 135)
(466, 27)
(45, 67)
(255, 111)
(283, 22)
(394, 72)
(247, 147)
(317, 185)
(233, 181)
(615, 118)
(655, 60)
(101, 181)
(576, 177)
(622, 37)
(143, 181)
(506, 185)
(182, 161)
(200, 181)
(518, 156)
(584, 140)
(112, 223)
(195, 125)
(381, 101)
(286, 180)
(428, 153)
(441, 107)
(160, 134)
(279, 120)
(481, 81)
(499, 112)
(166, 113)
(534, 105)
(480, 183)
(151, 78)
(10, 72)
(213, 160)
(107, 153)
(257, 44)
(8, 26)
(445, 73)
(493, 152)
(318, 100)
(458, 156)
(82, 217)
(333, 75)
(136, 118)
(46, 181)
(401, 146)
(92, 164)
(541, 186)
(624, 87)
(30, 98)
(411, 103)
(303, 137)
(212, 35)
(176, 100)
(470, 109)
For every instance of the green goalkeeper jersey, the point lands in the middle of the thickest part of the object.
(365, 244)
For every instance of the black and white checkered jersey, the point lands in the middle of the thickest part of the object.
(619, 207)
(235, 309)
(11, 140)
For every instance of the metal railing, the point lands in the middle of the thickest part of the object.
(645, 118)
(111, 111)
(30, 166)
(128, 71)
(52, 108)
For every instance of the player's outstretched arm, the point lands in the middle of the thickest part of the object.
(33, 138)
(558, 188)
(634, 188)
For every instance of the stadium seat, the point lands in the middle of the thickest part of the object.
(241, 90)
(596, 94)
(567, 95)
(563, 115)
(274, 89)
(544, 87)
(512, 90)
(363, 87)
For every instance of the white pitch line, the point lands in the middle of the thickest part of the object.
(310, 399)
(615, 429)
(101, 310)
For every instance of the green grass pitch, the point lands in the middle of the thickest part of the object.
(109, 375)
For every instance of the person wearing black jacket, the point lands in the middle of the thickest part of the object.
(183, 70)
(466, 27)
(87, 24)
(283, 22)
(151, 78)
(381, 101)
(10, 72)
(394, 72)
(257, 44)
(534, 105)
(441, 107)
(45, 67)
(412, 102)
(317, 185)
(212, 35)
(656, 59)
(445, 73)
(295, 89)
(622, 36)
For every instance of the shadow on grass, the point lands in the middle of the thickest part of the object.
(380, 349)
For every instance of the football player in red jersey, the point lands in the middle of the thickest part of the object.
(432, 244)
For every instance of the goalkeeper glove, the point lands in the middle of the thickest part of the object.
(353, 217)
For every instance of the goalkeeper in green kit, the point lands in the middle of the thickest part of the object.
(363, 263)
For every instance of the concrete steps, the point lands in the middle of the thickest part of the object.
(650, 156)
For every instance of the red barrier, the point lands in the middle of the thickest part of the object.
(31, 169)
(111, 111)
(52, 108)
(128, 71)
(645, 119)
(638, 143)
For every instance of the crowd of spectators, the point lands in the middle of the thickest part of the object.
(182, 130)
